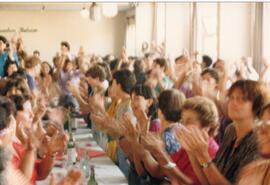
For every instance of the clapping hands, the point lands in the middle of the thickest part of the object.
(195, 141)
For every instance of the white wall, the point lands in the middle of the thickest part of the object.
(235, 30)
(177, 28)
(103, 37)
(108, 35)
(144, 25)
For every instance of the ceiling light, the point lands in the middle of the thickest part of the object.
(109, 9)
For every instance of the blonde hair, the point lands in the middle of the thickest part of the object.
(207, 111)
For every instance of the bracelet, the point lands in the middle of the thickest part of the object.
(206, 165)
(170, 165)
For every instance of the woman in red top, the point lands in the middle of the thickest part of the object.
(9, 174)
(34, 150)
(202, 113)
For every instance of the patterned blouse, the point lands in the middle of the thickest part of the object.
(171, 144)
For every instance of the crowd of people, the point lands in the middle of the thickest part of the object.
(161, 121)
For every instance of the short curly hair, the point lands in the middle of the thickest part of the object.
(206, 110)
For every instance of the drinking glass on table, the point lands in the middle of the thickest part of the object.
(85, 163)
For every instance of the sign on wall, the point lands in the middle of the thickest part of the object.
(21, 29)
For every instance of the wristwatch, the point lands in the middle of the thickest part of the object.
(206, 165)
(170, 165)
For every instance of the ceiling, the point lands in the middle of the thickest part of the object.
(54, 6)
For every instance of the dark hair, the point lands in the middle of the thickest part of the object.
(22, 55)
(124, 65)
(69, 102)
(19, 100)
(212, 72)
(114, 63)
(126, 79)
(252, 91)
(7, 109)
(148, 55)
(32, 62)
(20, 73)
(138, 66)
(148, 93)
(7, 64)
(36, 52)
(3, 39)
(218, 61)
(66, 44)
(207, 60)
(139, 72)
(161, 62)
(51, 69)
(96, 71)
(170, 103)
(67, 61)
(10, 84)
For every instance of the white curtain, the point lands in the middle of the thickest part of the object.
(159, 24)
(194, 29)
(257, 51)
(204, 27)
(131, 36)
(266, 40)
(266, 30)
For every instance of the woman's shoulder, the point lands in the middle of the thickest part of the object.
(230, 132)
(255, 172)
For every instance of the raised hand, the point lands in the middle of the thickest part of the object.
(143, 120)
(20, 132)
(31, 142)
(102, 121)
(57, 143)
(265, 63)
(96, 103)
(58, 115)
(109, 125)
(40, 111)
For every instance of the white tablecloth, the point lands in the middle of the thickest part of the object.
(107, 173)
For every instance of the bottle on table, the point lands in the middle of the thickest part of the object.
(73, 122)
(92, 180)
(71, 150)
(85, 164)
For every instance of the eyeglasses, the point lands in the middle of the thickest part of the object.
(262, 126)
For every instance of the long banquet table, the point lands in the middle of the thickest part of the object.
(107, 173)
